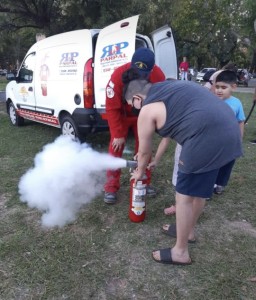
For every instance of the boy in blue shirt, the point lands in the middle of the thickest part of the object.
(226, 83)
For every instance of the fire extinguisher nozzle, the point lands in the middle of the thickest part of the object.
(131, 164)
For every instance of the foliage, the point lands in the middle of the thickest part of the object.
(248, 28)
(3, 83)
(209, 32)
(206, 30)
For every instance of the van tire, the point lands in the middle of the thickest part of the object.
(15, 119)
(68, 127)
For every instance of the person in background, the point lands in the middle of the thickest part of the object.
(210, 137)
(254, 101)
(211, 83)
(225, 85)
(183, 68)
(123, 117)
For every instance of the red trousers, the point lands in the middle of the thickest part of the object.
(112, 184)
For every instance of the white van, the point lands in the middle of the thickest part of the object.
(62, 79)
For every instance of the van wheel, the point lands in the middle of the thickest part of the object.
(16, 120)
(68, 127)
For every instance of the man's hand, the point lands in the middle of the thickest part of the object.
(135, 157)
(152, 165)
(118, 143)
(136, 175)
(254, 100)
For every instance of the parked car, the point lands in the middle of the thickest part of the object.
(191, 73)
(10, 76)
(3, 72)
(200, 74)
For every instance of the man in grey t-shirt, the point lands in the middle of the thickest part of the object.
(211, 141)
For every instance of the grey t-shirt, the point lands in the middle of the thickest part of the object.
(204, 125)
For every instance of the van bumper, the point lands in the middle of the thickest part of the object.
(89, 120)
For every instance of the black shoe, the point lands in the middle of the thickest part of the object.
(110, 198)
(150, 191)
(218, 190)
(253, 142)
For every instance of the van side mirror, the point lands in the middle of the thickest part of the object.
(10, 76)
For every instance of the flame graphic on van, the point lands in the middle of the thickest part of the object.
(24, 93)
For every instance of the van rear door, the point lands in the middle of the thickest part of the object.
(165, 51)
(115, 47)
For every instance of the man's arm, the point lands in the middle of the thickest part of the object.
(241, 125)
(146, 129)
(163, 145)
(114, 114)
(114, 107)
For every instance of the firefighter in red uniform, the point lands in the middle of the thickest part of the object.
(121, 116)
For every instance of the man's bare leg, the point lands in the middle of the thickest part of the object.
(184, 221)
(198, 207)
(187, 214)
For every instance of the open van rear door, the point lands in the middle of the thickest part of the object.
(165, 51)
(115, 47)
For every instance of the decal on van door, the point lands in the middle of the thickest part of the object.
(112, 56)
(68, 63)
(44, 74)
(38, 117)
(24, 93)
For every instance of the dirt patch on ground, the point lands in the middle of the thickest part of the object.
(244, 227)
(3, 201)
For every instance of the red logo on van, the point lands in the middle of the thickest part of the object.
(113, 51)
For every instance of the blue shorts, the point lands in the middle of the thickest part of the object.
(201, 185)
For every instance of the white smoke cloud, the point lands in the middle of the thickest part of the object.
(66, 175)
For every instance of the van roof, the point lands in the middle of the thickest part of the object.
(74, 36)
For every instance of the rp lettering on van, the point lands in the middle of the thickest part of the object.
(113, 52)
(68, 64)
(68, 59)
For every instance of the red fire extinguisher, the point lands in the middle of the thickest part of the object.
(137, 209)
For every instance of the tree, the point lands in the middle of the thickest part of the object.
(36, 14)
(209, 32)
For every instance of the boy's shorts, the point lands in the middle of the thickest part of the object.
(201, 185)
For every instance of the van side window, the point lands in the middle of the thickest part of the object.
(26, 70)
(140, 43)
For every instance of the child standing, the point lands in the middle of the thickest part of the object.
(225, 84)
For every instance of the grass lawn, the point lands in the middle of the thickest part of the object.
(102, 255)
(3, 82)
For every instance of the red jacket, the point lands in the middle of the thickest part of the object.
(117, 111)
(184, 66)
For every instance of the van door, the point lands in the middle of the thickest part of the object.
(24, 94)
(115, 47)
(165, 51)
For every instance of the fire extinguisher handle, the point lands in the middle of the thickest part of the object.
(131, 164)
